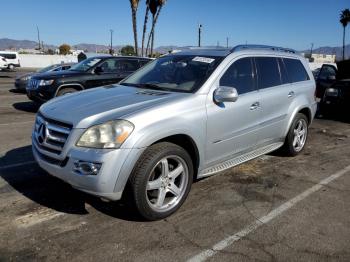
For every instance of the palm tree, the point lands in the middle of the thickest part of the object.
(134, 5)
(145, 27)
(344, 20)
(155, 8)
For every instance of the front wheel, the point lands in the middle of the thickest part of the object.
(161, 180)
(66, 91)
(297, 135)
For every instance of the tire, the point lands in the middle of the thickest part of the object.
(11, 67)
(299, 128)
(65, 91)
(157, 191)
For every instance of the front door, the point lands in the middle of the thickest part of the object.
(232, 126)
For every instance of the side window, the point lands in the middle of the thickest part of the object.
(240, 76)
(126, 64)
(295, 69)
(268, 72)
(57, 69)
(143, 62)
(326, 72)
(109, 66)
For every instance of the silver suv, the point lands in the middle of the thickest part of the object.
(182, 117)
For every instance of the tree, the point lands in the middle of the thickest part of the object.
(145, 28)
(155, 8)
(344, 20)
(134, 5)
(127, 50)
(64, 49)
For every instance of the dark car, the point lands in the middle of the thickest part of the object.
(22, 80)
(92, 72)
(333, 87)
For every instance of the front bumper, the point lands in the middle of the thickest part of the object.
(108, 183)
(40, 95)
(20, 85)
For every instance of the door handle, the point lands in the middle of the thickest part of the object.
(254, 106)
(291, 94)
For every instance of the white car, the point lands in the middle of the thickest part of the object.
(3, 63)
(12, 59)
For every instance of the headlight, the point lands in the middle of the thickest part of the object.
(45, 82)
(111, 134)
(331, 92)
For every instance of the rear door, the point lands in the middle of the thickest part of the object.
(275, 93)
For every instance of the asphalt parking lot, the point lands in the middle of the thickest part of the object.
(271, 209)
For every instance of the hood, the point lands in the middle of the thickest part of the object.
(98, 105)
(24, 75)
(57, 74)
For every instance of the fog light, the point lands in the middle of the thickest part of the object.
(87, 168)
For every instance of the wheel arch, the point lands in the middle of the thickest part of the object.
(76, 86)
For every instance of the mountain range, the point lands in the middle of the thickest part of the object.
(6, 43)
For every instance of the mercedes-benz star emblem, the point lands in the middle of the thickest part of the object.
(42, 133)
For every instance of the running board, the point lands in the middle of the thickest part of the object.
(239, 160)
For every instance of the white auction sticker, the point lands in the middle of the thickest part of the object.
(203, 59)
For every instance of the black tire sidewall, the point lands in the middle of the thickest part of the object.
(65, 91)
(289, 148)
(142, 172)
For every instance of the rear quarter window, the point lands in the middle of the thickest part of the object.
(295, 70)
(9, 56)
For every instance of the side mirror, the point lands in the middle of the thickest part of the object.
(225, 94)
(98, 70)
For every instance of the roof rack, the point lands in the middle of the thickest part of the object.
(263, 47)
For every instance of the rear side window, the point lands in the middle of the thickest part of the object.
(295, 69)
(240, 76)
(126, 64)
(268, 72)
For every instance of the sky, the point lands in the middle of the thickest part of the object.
(289, 23)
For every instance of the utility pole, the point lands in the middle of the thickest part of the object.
(312, 47)
(111, 49)
(37, 29)
(226, 42)
(199, 34)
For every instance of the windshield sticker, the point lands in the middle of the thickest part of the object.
(203, 59)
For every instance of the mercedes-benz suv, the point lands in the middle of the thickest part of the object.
(181, 117)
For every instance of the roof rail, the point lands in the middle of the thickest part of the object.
(274, 48)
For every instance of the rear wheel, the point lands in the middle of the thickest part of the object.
(11, 67)
(66, 91)
(161, 180)
(297, 135)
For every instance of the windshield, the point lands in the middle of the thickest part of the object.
(46, 69)
(85, 65)
(180, 73)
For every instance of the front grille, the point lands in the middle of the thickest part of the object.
(33, 84)
(51, 135)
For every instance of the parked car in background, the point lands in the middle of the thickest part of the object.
(22, 80)
(183, 116)
(12, 59)
(91, 72)
(333, 87)
(3, 63)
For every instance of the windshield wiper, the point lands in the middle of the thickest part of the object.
(152, 86)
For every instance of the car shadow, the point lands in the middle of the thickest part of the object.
(16, 91)
(37, 185)
(29, 106)
(335, 115)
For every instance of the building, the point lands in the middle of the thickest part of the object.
(320, 58)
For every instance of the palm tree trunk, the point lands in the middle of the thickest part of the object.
(144, 29)
(344, 43)
(134, 25)
(150, 37)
